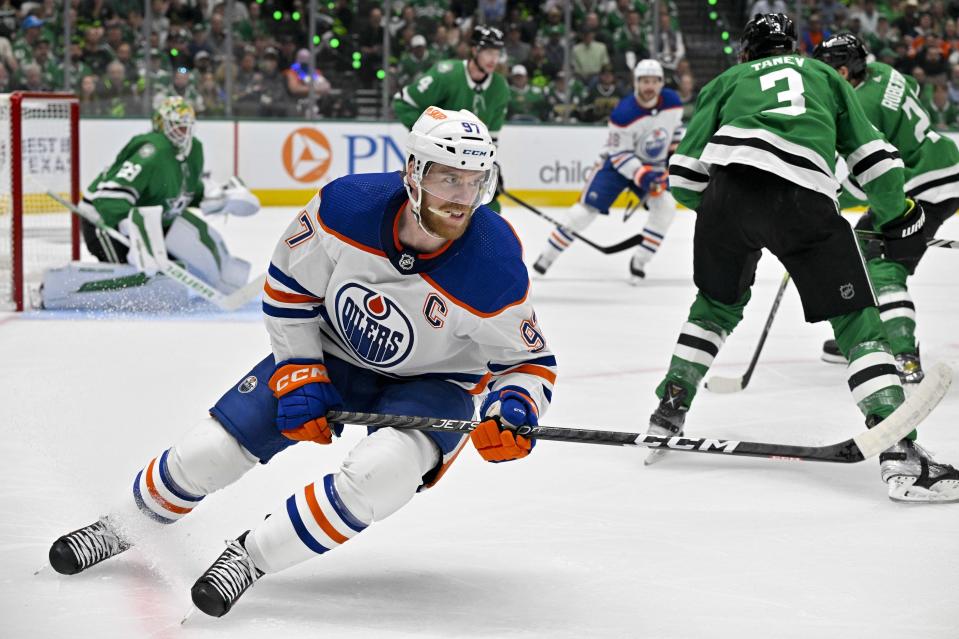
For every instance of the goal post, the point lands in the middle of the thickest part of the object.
(39, 152)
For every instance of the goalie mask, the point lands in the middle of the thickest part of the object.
(175, 119)
(449, 156)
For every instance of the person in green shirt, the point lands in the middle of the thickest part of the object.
(757, 164)
(462, 84)
(160, 172)
(891, 102)
(527, 103)
(943, 114)
(416, 61)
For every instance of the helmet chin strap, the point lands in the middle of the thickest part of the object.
(475, 61)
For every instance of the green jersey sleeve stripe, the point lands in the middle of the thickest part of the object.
(943, 181)
(867, 149)
(692, 165)
(883, 165)
(681, 177)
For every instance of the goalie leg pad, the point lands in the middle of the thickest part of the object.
(173, 483)
(103, 286)
(380, 475)
(202, 248)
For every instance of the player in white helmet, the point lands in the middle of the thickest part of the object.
(643, 128)
(388, 293)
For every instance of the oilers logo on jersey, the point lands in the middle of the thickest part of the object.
(373, 326)
(654, 143)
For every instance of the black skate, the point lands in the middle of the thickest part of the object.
(85, 547)
(832, 354)
(909, 368)
(542, 264)
(913, 476)
(221, 585)
(636, 272)
(668, 418)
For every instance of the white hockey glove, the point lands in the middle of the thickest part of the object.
(232, 198)
(147, 245)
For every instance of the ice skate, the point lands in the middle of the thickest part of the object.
(909, 368)
(637, 272)
(832, 354)
(543, 262)
(667, 420)
(221, 585)
(85, 547)
(914, 477)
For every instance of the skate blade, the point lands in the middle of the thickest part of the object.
(189, 615)
(905, 493)
(654, 457)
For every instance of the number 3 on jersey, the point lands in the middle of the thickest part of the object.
(793, 93)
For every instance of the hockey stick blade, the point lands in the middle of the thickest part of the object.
(865, 445)
(624, 245)
(909, 414)
(718, 384)
(722, 385)
(933, 242)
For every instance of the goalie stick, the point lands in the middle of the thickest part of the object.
(625, 245)
(864, 445)
(177, 273)
(719, 384)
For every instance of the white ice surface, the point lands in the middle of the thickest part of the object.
(576, 541)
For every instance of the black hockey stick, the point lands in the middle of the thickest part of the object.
(864, 445)
(619, 247)
(936, 242)
(719, 384)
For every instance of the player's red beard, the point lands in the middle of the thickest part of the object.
(449, 227)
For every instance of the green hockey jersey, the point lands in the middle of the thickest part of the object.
(891, 102)
(148, 173)
(448, 85)
(787, 115)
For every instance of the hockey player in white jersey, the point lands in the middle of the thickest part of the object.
(389, 293)
(643, 128)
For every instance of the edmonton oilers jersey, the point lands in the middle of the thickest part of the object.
(340, 282)
(639, 136)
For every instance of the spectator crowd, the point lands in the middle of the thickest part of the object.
(259, 62)
(916, 37)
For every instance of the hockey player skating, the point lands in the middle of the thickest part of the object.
(470, 84)
(757, 166)
(388, 293)
(153, 180)
(643, 128)
(891, 102)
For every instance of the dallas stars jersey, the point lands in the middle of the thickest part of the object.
(787, 115)
(891, 102)
(448, 85)
(341, 283)
(147, 173)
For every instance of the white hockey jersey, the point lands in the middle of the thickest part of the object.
(639, 136)
(340, 283)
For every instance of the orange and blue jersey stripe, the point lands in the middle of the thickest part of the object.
(320, 519)
(158, 496)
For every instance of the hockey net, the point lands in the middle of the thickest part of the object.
(39, 152)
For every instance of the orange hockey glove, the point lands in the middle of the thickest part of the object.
(304, 394)
(503, 411)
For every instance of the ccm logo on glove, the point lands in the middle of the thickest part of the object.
(292, 376)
